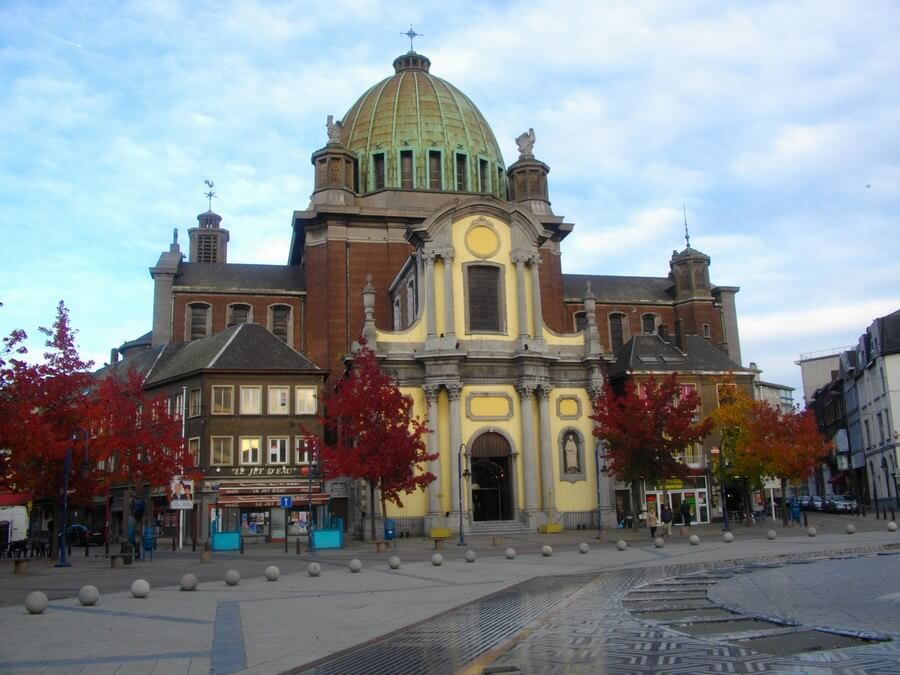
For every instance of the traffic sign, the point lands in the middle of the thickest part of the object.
(287, 502)
(714, 450)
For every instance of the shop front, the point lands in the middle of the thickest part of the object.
(674, 491)
(255, 508)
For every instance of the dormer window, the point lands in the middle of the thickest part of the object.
(378, 173)
(434, 170)
(462, 178)
(406, 170)
(484, 176)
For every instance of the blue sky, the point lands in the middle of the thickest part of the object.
(776, 124)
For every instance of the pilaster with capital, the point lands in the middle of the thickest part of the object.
(434, 488)
(519, 261)
(529, 465)
(449, 314)
(454, 393)
(536, 296)
(548, 482)
(430, 301)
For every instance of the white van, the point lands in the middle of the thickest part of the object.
(13, 524)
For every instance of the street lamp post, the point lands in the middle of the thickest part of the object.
(600, 458)
(67, 469)
(462, 474)
(728, 436)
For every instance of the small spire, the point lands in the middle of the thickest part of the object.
(209, 195)
(687, 235)
(411, 34)
(175, 235)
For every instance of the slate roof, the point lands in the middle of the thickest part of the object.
(890, 333)
(244, 347)
(619, 289)
(144, 341)
(241, 276)
(644, 353)
(141, 360)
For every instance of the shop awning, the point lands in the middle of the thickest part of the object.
(265, 494)
(15, 498)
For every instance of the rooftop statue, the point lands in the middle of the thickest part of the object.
(334, 130)
(525, 141)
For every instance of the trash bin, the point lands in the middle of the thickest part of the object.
(390, 529)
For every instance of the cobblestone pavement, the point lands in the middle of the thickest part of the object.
(670, 620)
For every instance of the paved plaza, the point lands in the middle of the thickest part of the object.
(824, 604)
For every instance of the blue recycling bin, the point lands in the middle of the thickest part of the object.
(390, 529)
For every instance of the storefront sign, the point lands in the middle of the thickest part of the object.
(256, 471)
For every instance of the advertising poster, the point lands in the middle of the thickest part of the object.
(181, 493)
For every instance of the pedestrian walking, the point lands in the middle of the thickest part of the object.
(652, 523)
(666, 516)
(686, 514)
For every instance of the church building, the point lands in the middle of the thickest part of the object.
(421, 239)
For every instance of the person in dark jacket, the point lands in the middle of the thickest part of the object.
(686, 513)
(666, 516)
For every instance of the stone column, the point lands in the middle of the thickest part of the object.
(548, 481)
(434, 465)
(536, 297)
(529, 465)
(454, 392)
(519, 262)
(450, 326)
(430, 301)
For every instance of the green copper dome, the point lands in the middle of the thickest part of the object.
(416, 131)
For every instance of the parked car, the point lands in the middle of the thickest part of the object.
(805, 503)
(79, 535)
(840, 504)
(816, 503)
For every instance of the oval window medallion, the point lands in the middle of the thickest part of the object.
(481, 239)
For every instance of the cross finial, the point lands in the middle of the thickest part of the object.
(209, 195)
(411, 34)
(687, 236)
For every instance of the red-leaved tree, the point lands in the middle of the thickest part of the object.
(376, 437)
(645, 429)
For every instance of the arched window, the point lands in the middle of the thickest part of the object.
(410, 302)
(198, 323)
(280, 322)
(580, 321)
(238, 313)
(616, 331)
(648, 323)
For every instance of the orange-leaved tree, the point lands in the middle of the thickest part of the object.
(646, 429)
(375, 436)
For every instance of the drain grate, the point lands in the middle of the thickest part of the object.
(450, 641)
(804, 641)
(723, 627)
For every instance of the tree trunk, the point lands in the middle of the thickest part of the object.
(747, 505)
(637, 504)
(784, 502)
(372, 509)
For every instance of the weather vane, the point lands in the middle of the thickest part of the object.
(209, 195)
(411, 34)
(687, 236)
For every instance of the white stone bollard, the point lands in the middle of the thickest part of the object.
(694, 539)
(355, 565)
(88, 595)
(437, 560)
(140, 588)
(510, 553)
(189, 582)
(728, 537)
(36, 602)
(892, 526)
(471, 556)
(583, 547)
(547, 551)
(851, 528)
(811, 531)
(621, 544)
(272, 573)
(394, 562)
(771, 534)
(314, 569)
(659, 542)
(232, 577)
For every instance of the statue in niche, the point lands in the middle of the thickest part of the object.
(525, 141)
(570, 453)
(334, 130)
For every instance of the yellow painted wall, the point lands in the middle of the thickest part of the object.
(415, 333)
(463, 255)
(580, 496)
(415, 504)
